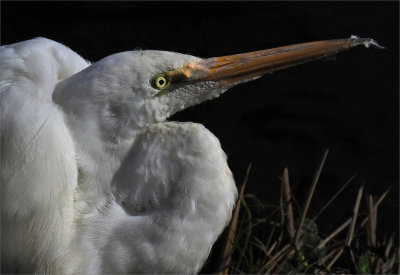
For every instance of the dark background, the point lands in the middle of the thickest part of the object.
(348, 103)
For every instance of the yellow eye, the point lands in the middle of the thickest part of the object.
(160, 82)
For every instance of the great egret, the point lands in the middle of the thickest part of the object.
(94, 180)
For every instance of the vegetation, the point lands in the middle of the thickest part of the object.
(294, 244)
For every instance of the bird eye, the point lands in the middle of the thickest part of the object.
(160, 82)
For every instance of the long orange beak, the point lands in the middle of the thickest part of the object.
(230, 69)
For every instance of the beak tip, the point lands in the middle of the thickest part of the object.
(367, 42)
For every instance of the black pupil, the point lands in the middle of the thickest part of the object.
(161, 82)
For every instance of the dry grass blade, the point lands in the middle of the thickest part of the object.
(288, 213)
(389, 246)
(378, 202)
(398, 257)
(333, 234)
(353, 259)
(226, 257)
(310, 195)
(326, 257)
(286, 257)
(351, 228)
(355, 214)
(379, 266)
(329, 266)
(257, 243)
(333, 198)
(272, 248)
(269, 241)
(391, 262)
(372, 221)
(282, 204)
(275, 259)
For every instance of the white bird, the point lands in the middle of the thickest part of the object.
(93, 178)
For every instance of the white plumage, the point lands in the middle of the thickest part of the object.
(94, 180)
(63, 210)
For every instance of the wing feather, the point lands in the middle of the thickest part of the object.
(38, 166)
(177, 192)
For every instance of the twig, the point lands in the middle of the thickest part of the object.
(232, 232)
(310, 195)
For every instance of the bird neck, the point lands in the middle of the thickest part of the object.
(98, 158)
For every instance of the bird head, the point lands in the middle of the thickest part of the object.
(131, 90)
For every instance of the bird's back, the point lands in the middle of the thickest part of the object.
(38, 166)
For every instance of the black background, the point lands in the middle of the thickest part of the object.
(348, 103)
